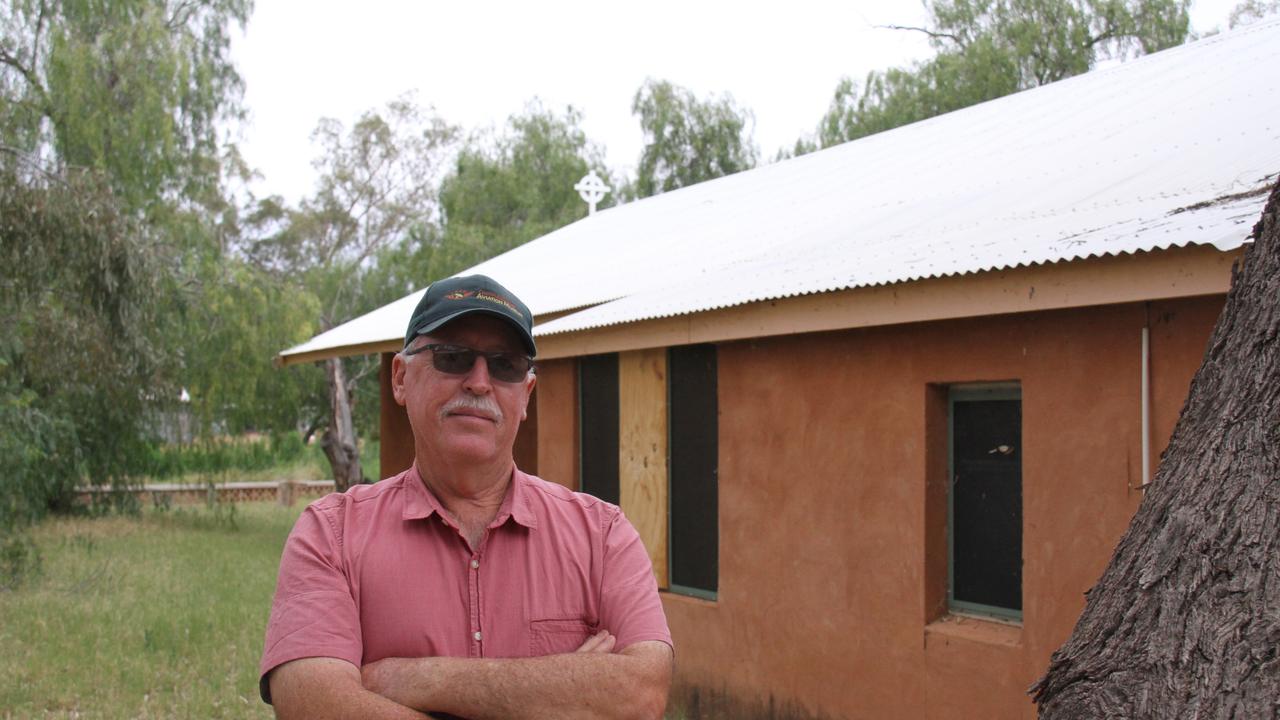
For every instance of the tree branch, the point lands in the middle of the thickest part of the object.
(931, 33)
(27, 74)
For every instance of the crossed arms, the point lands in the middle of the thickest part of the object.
(593, 682)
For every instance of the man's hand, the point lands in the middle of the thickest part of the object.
(601, 642)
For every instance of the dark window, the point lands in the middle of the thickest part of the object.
(986, 500)
(694, 449)
(598, 425)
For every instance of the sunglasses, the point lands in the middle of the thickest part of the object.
(458, 360)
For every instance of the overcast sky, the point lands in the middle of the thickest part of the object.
(479, 62)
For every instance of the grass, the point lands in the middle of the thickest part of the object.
(155, 616)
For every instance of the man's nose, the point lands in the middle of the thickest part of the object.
(477, 379)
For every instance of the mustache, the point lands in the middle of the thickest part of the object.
(481, 403)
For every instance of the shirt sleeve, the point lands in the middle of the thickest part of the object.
(630, 607)
(313, 613)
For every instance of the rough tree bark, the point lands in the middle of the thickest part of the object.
(1185, 621)
(339, 442)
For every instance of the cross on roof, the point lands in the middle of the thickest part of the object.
(591, 189)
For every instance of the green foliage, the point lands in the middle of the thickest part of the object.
(506, 190)
(166, 461)
(20, 559)
(80, 287)
(688, 140)
(1251, 11)
(377, 187)
(990, 48)
(377, 182)
(241, 318)
(113, 223)
(133, 88)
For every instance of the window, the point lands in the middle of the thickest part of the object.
(693, 444)
(598, 426)
(985, 500)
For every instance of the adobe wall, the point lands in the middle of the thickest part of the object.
(823, 535)
(829, 602)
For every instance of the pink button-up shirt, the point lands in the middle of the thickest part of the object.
(382, 571)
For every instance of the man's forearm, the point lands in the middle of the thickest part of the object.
(319, 688)
(630, 684)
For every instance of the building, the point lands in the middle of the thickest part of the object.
(882, 412)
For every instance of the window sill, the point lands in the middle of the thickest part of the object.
(984, 630)
(677, 596)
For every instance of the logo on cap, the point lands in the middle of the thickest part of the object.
(498, 299)
(459, 294)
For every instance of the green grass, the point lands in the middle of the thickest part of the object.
(155, 616)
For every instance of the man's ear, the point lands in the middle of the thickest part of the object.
(397, 377)
(528, 393)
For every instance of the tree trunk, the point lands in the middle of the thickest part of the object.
(339, 441)
(1185, 621)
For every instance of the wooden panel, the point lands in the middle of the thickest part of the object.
(525, 450)
(642, 449)
(557, 394)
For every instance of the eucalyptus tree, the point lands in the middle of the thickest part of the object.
(1251, 11)
(688, 140)
(377, 183)
(989, 48)
(506, 188)
(136, 89)
(110, 172)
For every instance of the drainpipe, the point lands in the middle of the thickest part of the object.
(1146, 407)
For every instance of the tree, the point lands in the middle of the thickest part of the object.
(1183, 622)
(80, 281)
(132, 88)
(688, 140)
(505, 191)
(110, 172)
(1251, 11)
(240, 318)
(990, 48)
(377, 184)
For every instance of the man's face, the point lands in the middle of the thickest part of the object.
(469, 418)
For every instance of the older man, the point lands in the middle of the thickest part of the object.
(463, 586)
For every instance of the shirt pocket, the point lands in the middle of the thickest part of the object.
(553, 636)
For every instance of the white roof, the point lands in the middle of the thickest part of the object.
(1099, 164)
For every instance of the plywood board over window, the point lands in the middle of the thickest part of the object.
(642, 449)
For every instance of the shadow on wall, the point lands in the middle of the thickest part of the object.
(693, 702)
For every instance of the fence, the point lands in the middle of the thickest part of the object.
(284, 492)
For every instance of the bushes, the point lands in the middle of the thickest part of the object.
(223, 455)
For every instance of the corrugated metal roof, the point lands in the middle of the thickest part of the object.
(1095, 165)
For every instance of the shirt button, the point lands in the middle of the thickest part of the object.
(477, 636)
(474, 563)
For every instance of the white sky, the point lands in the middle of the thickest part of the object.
(477, 62)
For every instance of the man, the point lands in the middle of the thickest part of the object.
(463, 586)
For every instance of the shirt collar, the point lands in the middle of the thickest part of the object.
(421, 503)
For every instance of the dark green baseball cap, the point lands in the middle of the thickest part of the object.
(451, 298)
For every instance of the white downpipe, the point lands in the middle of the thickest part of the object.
(1146, 406)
